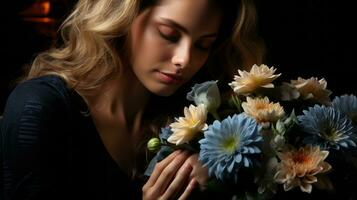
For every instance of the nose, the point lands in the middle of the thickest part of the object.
(182, 55)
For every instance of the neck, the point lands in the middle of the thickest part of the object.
(116, 109)
(122, 97)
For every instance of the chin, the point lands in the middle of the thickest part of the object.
(164, 92)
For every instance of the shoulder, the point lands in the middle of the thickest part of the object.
(40, 89)
(44, 96)
(46, 90)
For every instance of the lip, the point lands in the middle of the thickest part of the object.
(169, 78)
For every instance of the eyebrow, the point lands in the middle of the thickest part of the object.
(183, 29)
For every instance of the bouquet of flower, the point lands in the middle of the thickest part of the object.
(266, 138)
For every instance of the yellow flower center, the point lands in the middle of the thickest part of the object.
(193, 123)
(258, 79)
(231, 144)
(330, 134)
(261, 106)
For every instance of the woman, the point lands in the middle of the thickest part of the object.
(76, 126)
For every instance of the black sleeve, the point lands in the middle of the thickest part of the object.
(34, 114)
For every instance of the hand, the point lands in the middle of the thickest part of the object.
(170, 177)
(198, 173)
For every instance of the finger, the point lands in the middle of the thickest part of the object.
(179, 182)
(191, 186)
(169, 172)
(160, 166)
(199, 172)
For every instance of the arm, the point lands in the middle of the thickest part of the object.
(28, 140)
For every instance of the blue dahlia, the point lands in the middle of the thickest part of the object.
(347, 104)
(328, 128)
(229, 145)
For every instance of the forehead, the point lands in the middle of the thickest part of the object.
(194, 15)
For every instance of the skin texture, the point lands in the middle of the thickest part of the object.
(175, 177)
(169, 43)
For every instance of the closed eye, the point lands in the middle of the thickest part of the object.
(168, 33)
(205, 44)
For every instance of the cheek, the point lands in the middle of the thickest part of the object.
(152, 50)
(143, 44)
(146, 43)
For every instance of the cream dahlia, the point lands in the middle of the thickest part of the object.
(263, 110)
(259, 76)
(313, 89)
(186, 128)
(299, 167)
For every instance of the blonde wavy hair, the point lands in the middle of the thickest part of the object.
(94, 34)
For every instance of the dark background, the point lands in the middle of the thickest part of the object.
(303, 37)
(21, 40)
(311, 38)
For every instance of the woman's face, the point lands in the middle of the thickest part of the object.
(171, 41)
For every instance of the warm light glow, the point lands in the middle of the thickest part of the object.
(46, 7)
(39, 8)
